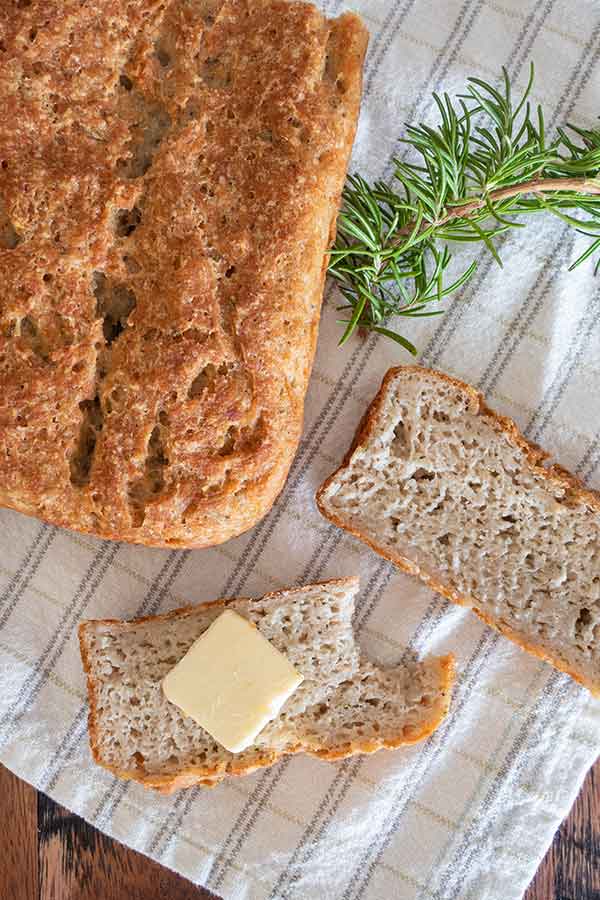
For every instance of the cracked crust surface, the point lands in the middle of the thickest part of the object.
(345, 706)
(170, 174)
(539, 611)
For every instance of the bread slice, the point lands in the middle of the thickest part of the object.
(452, 493)
(345, 705)
(171, 174)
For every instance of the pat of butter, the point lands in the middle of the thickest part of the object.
(232, 681)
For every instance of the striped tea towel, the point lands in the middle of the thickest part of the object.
(470, 813)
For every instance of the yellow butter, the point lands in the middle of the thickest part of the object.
(232, 681)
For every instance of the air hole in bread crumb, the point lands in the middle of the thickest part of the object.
(80, 462)
(399, 445)
(127, 220)
(117, 396)
(131, 264)
(421, 474)
(9, 237)
(152, 482)
(202, 380)
(585, 617)
(125, 82)
(147, 132)
(162, 56)
(230, 271)
(114, 304)
(33, 338)
(584, 620)
(228, 445)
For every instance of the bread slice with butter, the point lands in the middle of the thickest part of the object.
(344, 705)
(232, 681)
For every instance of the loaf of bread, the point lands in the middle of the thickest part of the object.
(345, 705)
(451, 492)
(170, 175)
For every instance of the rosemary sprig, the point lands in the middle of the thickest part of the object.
(487, 161)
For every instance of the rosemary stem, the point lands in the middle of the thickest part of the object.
(535, 186)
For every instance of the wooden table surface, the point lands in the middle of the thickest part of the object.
(47, 853)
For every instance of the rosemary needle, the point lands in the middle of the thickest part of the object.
(487, 161)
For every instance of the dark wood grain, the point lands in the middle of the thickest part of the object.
(571, 868)
(77, 862)
(46, 853)
(18, 839)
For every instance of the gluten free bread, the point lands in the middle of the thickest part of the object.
(452, 493)
(169, 180)
(345, 705)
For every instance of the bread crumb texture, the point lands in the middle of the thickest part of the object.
(449, 490)
(345, 705)
(169, 178)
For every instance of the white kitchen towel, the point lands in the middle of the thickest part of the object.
(471, 812)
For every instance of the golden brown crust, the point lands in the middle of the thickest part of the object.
(206, 777)
(170, 177)
(534, 456)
